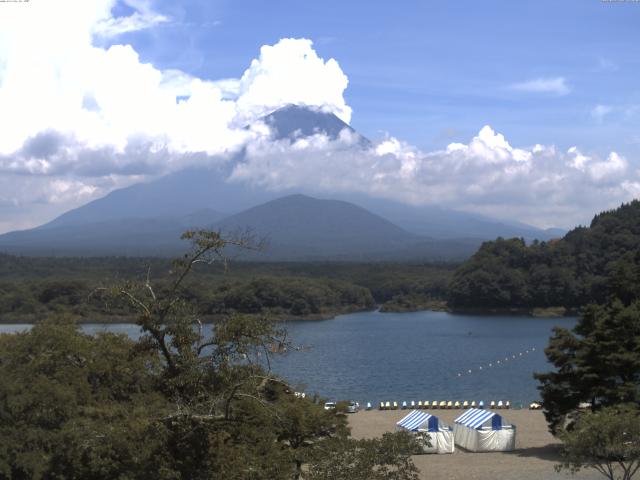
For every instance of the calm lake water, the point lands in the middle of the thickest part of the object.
(374, 356)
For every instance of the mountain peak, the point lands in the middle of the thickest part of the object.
(295, 121)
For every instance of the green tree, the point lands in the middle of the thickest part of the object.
(304, 426)
(598, 362)
(386, 458)
(594, 264)
(218, 383)
(183, 402)
(73, 405)
(607, 441)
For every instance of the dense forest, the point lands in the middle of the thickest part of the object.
(35, 287)
(589, 265)
(176, 404)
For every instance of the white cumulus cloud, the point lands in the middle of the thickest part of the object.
(292, 72)
(72, 111)
(101, 99)
(78, 120)
(537, 184)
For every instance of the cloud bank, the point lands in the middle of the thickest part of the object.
(79, 120)
(539, 184)
(72, 111)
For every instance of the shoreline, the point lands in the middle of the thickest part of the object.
(536, 454)
(552, 312)
(206, 319)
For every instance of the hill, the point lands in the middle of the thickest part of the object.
(588, 265)
(321, 227)
(299, 227)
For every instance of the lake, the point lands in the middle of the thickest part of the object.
(373, 356)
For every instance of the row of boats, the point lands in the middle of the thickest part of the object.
(442, 405)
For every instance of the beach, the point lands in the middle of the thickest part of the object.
(535, 456)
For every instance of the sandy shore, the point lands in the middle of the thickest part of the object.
(534, 457)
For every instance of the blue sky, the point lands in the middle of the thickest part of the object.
(525, 111)
(435, 72)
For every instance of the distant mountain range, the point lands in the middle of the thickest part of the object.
(148, 218)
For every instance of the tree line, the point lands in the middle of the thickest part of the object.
(589, 265)
(591, 397)
(33, 288)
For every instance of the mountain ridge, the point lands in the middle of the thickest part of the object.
(148, 215)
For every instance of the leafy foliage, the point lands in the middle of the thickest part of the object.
(176, 404)
(34, 288)
(607, 441)
(588, 265)
(387, 458)
(71, 405)
(598, 362)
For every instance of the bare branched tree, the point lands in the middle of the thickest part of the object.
(206, 370)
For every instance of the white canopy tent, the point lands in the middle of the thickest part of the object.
(473, 432)
(426, 426)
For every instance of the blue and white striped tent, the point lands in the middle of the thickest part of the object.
(440, 437)
(417, 419)
(476, 418)
(473, 432)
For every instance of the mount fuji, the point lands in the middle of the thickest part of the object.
(146, 219)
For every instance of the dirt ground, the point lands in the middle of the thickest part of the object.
(534, 457)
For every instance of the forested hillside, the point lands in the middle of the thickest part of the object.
(589, 265)
(33, 288)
